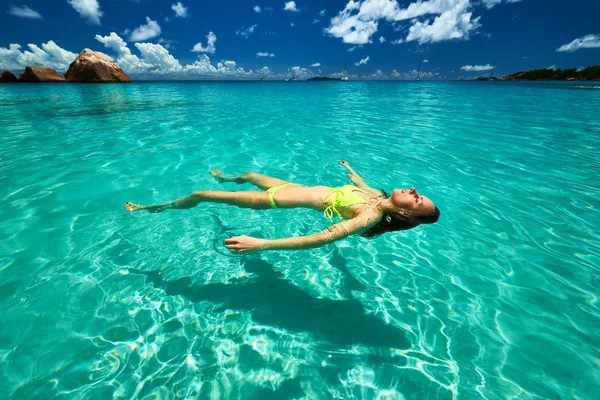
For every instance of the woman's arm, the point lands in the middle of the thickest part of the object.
(244, 244)
(358, 180)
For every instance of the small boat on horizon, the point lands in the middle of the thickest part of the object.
(344, 73)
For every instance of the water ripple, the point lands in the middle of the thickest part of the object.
(498, 300)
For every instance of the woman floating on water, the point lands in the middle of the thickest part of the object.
(367, 211)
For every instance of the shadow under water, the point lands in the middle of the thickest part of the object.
(273, 300)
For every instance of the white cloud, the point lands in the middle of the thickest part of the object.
(425, 60)
(158, 56)
(352, 48)
(256, 9)
(49, 55)
(292, 24)
(398, 41)
(24, 12)
(584, 42)
(290, 6)
(211, 38)
(492, 3)
(351, 27)
(88, 9)
(362, 62)
(127, 61)
(167, 43)
(358, 21)
(316, 65)
(246, 32)
(301, 73)
(181, 11)
(156, 61)
(552, 68)
(264, 54)
(411, 75)
(378, 75)
(316, 21)
(145, 32)
(321, 13)
(470, 68)
(382, 39)
(454, 24)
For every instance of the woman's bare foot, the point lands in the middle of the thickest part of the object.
(154, 208)
(217, 174)
(133, 207)
(219, 177)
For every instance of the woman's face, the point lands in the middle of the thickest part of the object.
(410, 199)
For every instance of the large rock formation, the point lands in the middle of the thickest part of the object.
(8, 77)
(93, 66)
(40, 74)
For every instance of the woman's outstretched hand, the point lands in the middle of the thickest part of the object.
(344, 163)
(244, 244)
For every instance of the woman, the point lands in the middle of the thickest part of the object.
(366, 210)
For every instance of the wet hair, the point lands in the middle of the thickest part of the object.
(400, 222)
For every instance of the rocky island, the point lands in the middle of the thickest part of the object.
(89, 67)
(8, 77)
(96, 67)
(40, 74)
(572, 74)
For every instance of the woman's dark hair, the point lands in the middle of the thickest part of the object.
(398, 222)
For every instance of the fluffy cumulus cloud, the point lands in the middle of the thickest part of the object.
(301, 73)
(316, 65)
(24, 12)
(256, 9)
(290, 6)
(377, 75)
(246, 32)
(454, 23)
(359, 20)
(362, 62)
(48, 55)
(411, 75)
(382, 39)
(471, 68)
(127, 61)
(155, 61)
(321, 13)
(145, 32)
(492, 3)
(211, 39)
(584, 42)
(181, 11)
(88, 10)
(264, 54)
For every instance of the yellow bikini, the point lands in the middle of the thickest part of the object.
(274, 190)
(344, 196)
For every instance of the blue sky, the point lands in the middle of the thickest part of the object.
(247, 39)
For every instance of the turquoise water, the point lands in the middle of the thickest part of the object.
(498, 300)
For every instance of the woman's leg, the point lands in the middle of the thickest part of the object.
(262, 181)
(254, 200)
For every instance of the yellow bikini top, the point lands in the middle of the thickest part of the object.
(343, 197)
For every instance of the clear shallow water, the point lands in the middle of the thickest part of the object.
(498, 300)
